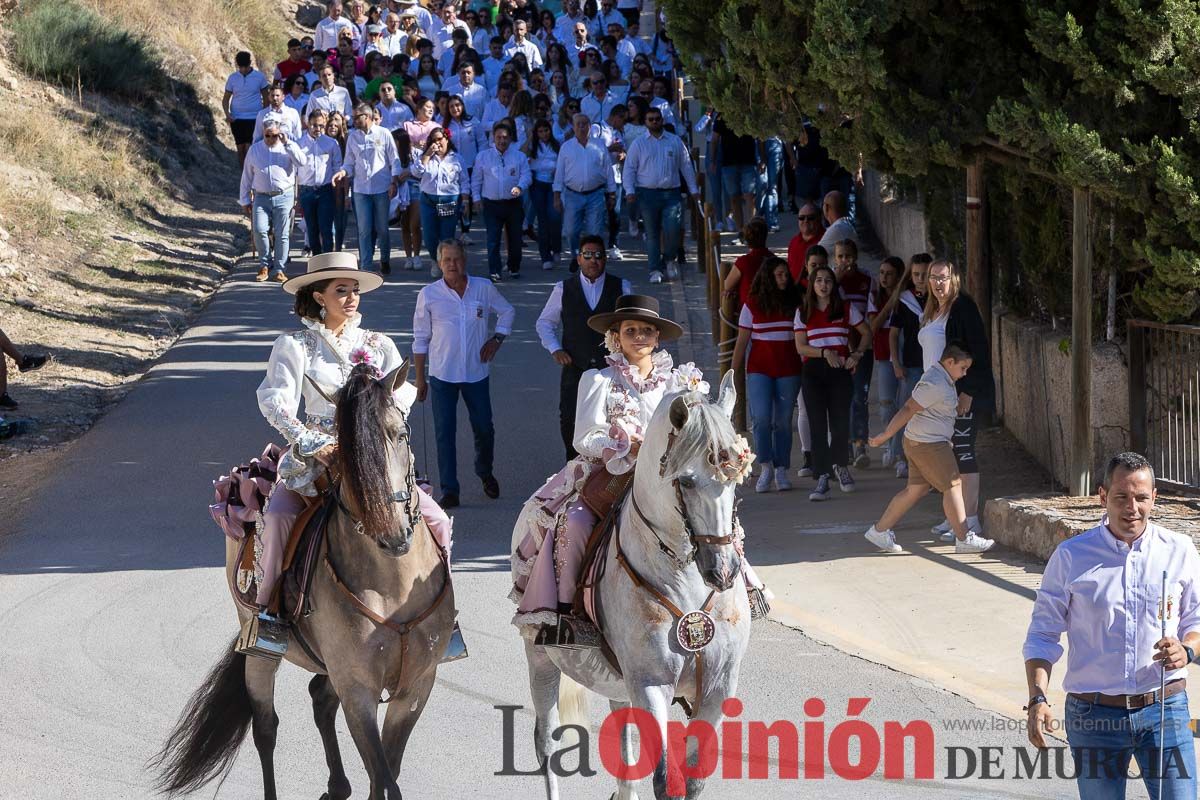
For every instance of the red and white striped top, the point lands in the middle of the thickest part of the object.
(830, 334)
(772, 342)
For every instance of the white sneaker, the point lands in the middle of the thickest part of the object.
(730, 226)
(614, 253)
(972, 525)
(782, 484)
(764, 479)
(656, 277)
(547, 265)
(942, 527)
(884, 540)
(673, 271)
(974, 543)
(435, 271)
(887, 459)
(411, 264)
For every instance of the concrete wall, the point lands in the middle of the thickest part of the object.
(1032, 364)
(899, 226)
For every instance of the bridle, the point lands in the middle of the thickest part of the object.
(406, 497)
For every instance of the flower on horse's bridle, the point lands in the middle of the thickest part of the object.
(363, 356)
(734, 463)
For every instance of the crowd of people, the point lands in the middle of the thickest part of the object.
(427, 117)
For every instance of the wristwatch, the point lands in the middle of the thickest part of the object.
(499, 337)
(1033, 701)
(1191, 654)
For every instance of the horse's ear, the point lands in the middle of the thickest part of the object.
(727, 396)
(396, 378)
(324, 391)
(679, 413)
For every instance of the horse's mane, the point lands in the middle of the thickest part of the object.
(706, 435)
(363, 407)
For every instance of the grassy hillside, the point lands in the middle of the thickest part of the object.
(117, 186)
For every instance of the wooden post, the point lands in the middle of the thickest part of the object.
(725, 350)
(1081, 345)
(979, 284)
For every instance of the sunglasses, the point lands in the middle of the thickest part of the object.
(591, 255)
(807, 217)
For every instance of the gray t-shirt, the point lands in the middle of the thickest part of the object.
(936, 394)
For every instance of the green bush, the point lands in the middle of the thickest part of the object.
(71, 45)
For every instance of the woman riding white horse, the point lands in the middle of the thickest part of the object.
(310, 365)
(614, 407)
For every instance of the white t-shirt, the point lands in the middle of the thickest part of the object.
(247, 93)
(932, 337)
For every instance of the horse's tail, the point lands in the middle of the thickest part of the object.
(572, 703)
(210, 730)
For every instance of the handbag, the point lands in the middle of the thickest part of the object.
(446, 209)
(603, 490)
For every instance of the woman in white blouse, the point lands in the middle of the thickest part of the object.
(331, 343)
(443, 182)
(469, 139)
(542, 151)
(613, 410)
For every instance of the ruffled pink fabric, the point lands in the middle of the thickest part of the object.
(241, 495)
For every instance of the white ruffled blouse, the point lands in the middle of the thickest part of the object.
(616, 403)
(316, 353)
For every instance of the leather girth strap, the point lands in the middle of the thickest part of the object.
(403, 629)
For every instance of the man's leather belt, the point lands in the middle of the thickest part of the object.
(1131, 702)
(587, 191)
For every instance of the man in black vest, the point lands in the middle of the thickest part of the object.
(589, 291)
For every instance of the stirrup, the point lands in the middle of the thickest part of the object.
(759, 607)
(263, 635)
(456, 647)
(570, 633)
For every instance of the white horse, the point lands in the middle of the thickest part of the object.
(673, 553)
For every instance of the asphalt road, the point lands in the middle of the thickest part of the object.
(113, 604)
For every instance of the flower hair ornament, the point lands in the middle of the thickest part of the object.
(364, 357)
(734, 462)
(612, 342)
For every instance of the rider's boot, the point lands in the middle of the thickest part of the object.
(570, 632)
(456, 648)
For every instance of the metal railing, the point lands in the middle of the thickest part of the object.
(1164, 399)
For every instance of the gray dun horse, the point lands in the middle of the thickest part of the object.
(673, 552)
(382, 613)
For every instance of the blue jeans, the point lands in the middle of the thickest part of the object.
(340, 215)
(888, 390)
(768, 184)
(713, 188)
(478, 401)
(317, 204)
(549, 221)
(273, 213)
(583, 214)
(662, 211)
(772, 403)
(1104, 739)
(860, 410)
(739, 180)
(371, 217)
(498, 216)
(434, 228)
(911, 376)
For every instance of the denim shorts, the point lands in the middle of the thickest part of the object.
(739, 180)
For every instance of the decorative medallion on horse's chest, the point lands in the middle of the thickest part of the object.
(695, 630)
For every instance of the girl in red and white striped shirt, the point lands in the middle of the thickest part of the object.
(822, 329)
(773, 370)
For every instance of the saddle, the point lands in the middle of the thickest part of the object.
(606, 501)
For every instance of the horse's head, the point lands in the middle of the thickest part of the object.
(697, 460)
(378, 486)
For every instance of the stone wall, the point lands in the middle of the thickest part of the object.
(899, 225)
(1032, 364)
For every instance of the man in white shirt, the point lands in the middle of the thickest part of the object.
(313, 79)
(392, 112)
(268, 193)
(625, 51)
(289, 119)
(610, 134)
(393, 40)
(245, 94)
(563, 330)
(328, 96)
(326, 35)
(564, 23)
(653, 166)
(1104, 589)
(598, 103)
(633, 36)
(443, 31)
(452, 344)
(608, 16)
(583, 184)
(474, 96)
(424, 18)
(316, 199)
(497, 109)
(577, 41)
(493, 63)
(521, 44)
(498, 184)
(836, 211)
(372, 162)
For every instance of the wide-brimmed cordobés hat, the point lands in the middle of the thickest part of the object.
(636, 307)
(328, 266)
